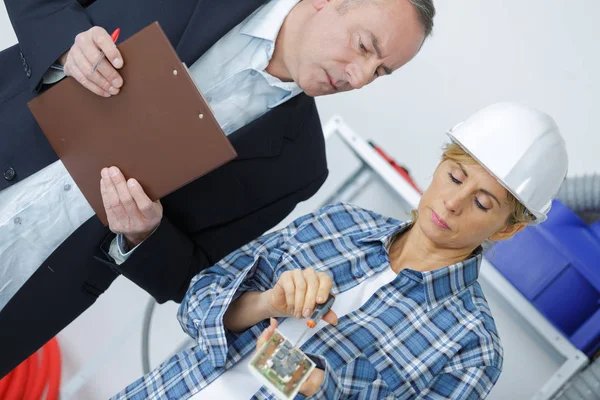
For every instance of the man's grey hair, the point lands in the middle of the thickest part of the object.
(425, 11)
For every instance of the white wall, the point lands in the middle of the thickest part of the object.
(7, 35)
(541, 52)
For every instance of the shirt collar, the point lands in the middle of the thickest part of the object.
(387, 233)
(443, 283)
(267, 20)
(440, 284)
(265, 24)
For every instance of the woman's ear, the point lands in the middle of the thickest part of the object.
(507, 232)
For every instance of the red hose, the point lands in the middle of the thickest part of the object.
(4, 384)
(54, 370)
(17, 386)
(36, 388)
(28, 380)
(32, 368)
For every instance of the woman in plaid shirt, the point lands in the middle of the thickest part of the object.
(411, 320)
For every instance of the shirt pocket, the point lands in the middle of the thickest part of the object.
(34, 227)
(390, 371)
(45, 223)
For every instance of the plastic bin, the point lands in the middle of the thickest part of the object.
(556, 265)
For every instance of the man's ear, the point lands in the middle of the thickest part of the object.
(507, 232)
(319, 4)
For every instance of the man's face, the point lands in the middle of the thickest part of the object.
(341, 51)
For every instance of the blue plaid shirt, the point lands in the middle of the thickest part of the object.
(425, 335)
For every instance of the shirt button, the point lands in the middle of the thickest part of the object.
(253, 72)
(9, 173)
(67, 187)
(17, 221)
(269, 47)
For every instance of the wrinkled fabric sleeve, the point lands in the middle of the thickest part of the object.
(250, 268)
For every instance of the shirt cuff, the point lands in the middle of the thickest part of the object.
(202, 309)
(330, 388)
(118, 249)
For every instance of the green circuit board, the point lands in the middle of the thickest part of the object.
(282, 367)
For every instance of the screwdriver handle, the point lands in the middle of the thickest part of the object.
(320, 311)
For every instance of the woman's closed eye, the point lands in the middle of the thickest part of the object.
(479, 205)
(459, 182)
(455, 180)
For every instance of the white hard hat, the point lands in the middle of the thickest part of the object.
(522, 148)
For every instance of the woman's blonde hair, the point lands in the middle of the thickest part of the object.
(519, 214)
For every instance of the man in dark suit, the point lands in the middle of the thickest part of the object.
(320, 47)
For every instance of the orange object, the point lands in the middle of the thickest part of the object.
(115, 35)
(310, 323)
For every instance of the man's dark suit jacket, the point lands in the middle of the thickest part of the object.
(281, 162)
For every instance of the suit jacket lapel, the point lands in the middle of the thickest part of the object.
(264, 136)
(211, 20)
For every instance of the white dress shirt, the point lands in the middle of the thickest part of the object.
(238, 383)
(40, 212)
(36, 216)
(231, 76)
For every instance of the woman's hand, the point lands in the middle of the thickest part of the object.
(297, 292)
(314, 381)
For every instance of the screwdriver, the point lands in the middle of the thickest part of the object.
(318, 313)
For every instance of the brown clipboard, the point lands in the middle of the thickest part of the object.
(158, 129)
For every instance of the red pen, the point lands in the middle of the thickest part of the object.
(114, 37)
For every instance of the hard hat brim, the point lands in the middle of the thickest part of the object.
(539, 217)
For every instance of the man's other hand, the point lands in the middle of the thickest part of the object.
(129, 210)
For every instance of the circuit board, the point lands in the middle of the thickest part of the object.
(281, 367)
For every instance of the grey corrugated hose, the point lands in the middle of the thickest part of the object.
(146, 335)
(147, 322)
(582, 195)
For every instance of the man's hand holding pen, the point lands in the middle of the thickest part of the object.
(78, 62)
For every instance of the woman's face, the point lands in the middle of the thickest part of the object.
(464, 206)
